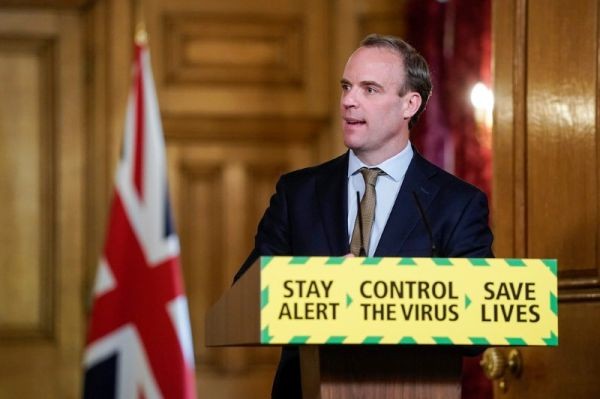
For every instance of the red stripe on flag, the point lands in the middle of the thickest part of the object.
(140, 297)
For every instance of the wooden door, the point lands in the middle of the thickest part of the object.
(42, 194)
(547, 177)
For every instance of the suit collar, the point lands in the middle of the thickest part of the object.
(404, 215)
(332, 195)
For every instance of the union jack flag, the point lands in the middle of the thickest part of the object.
(139, 342)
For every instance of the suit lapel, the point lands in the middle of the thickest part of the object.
(404, 216)
(332, 196)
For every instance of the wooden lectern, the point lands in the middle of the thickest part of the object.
(341, 371)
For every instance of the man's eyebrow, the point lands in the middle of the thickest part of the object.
(345, 82)
(371, 83)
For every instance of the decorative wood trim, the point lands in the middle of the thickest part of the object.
(44, 49)
(46, 3)
(520, 129)
(280, 40)
(281, 129)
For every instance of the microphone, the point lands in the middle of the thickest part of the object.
(434, 252)
(361, 251)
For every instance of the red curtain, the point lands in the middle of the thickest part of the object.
(454, 36)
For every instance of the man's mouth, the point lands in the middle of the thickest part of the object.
(354, 122)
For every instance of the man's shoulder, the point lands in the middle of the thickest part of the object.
(445, 180)
(335, 165)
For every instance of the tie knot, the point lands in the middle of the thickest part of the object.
(370, 175)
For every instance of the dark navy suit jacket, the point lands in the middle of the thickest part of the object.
(308, 215)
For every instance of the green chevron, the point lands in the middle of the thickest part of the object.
(407, 341)
(479, 341)
(348, 300)
(299, 339)
(478, 262)
(265, 338)
(371, 261)
(407, 262)
(264, 261)
(442, 262)
(467, 301)
(515, 262)
(335, 340)
(299, 260)
(516, 341)
(552, 340)
(372, 339)
(264, 297)
(554, 303)
(551, 264)
(443, 340)
(335, 260)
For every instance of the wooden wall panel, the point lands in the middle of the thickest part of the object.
(41, 130)
(209, 49)
(563, 168)
(26, 191)
(547, 176)
(239, 58)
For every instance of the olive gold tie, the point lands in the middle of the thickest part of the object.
(367, 211)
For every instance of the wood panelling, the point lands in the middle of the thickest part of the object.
(42, 135)
(238, 58)
(222, 190)
(46, 3)
(27, 169)
(563, 168)
(547, 176)
(208, 49)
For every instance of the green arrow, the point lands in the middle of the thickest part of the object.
(371, 261)
(515, 341)
(336, 339)
(552, 340)
(407, 262)
(372, 340)
(348, 300)
(442, 262)
(442, 340)
(264, 261)
(467, 301)
(407, 341)
(515, 262)
(551, 264)
(554, 303)
(265, 338)
(264, 297)
(479, 340)
(478, 262)
(299, 339)
(298, 260)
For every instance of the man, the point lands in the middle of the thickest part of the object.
(385, 87)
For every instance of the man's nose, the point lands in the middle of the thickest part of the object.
(349, 99)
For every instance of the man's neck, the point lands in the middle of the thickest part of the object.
(376, 158)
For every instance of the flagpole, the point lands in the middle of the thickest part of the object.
(140, 36)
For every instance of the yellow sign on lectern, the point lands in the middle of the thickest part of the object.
(437, 301)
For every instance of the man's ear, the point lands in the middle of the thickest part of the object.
(413, 103)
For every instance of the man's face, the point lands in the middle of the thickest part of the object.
(374, 116)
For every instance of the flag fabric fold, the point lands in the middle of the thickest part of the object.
(139, 342)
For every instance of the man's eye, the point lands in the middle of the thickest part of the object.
(371, 90)
(345, 87)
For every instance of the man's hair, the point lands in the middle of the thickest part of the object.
(417, 72)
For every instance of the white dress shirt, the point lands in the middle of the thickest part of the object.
(386, 189)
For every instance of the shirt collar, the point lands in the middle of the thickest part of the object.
(395, 167)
